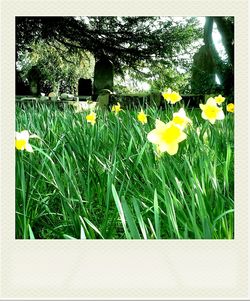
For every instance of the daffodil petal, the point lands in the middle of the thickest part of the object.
(160, 124)
(18, 136)
(163, 147)
(25, 135)
(212, 120)
(154, 136)
(204, 116)
(220, 115)
(34, 136)
(182, 137)
(172, 148)
(211, 101)
(28, 148)
(180, 113)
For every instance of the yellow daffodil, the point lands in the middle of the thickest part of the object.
(116, 108)
(167, 94)
(175, 97)
(230, 107)
(22, 141)
(171, 96)
(181, 119)
(166, 136)
(219, 99)
(211, 112)
(91, 118)
(142, 117)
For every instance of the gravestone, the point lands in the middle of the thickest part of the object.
(103, 98)
(66, 96)
(44, 98)
(22, 88)
(103, 76)
(84, 87)
(34, 78)
(203, 72)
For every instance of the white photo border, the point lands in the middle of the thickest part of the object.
(122, 269)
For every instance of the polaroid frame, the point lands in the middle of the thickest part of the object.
(122, 269)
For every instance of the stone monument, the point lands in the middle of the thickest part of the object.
(34, 78)
(103, 75)
(203, 72)
(84, 87)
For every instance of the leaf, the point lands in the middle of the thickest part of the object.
(157, 216)
(31, 234)
(93, 227)
(130, 220)
(120, 210)
(140, 219)
(82, 234)
(68, 236)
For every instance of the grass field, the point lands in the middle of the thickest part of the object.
(107, 182)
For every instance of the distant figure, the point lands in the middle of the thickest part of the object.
(103, 75)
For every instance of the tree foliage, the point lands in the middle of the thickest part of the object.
(126, 40)
(157, 43)
(58, 66)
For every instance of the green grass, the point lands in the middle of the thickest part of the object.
(105, 181)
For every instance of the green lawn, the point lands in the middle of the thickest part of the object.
(106, 181)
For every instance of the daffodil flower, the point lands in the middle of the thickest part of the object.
(219, 99)
(180, 118)
(166, 136)
(230, 107)
(22, 141)
(171, 96)
(211, 112)
(167, 95)
(142, 117)
(91, 118)
(116, 108)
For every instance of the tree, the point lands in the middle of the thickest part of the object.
(225, 26)
(127, 41)
(58, 67)
(207, 62)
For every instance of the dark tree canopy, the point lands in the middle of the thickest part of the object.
(127, 41)
(160, 45)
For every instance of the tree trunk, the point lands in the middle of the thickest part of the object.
(208, 40)
(224, 70)
(226, 30)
